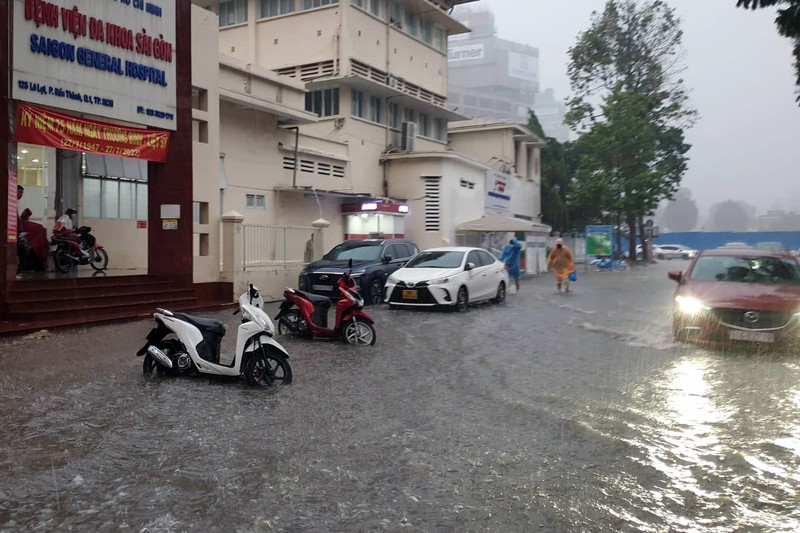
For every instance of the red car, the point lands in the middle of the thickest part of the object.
(738, 296)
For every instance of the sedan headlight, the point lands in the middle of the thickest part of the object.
(440, 281)
(690, 306)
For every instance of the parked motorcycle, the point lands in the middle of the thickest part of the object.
(303, 313)
(607, 264)
(77, 248)
(186, 344)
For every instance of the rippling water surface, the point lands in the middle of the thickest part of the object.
(547, 413)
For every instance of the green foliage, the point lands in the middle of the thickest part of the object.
(788, 22)
(554, 179)
(631, 109)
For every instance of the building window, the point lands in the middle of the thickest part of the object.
(324, 103)
(439, 38)
(232, 12)
(359, 3)
(440, 129)
(357, 98)
(409, 115)
(114, 198)
(376, 109)
(394, 115)
(395, 15)
(424, 125)
(311, 4)
(273, 8)
(426, 32)
(255, 201)
(375, 7)
(199, 99)
(412, 23)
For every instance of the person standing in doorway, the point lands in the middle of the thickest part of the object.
(510, 256)
(562, 263)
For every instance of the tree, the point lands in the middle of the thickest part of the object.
(730, 216)
(788, 22)
(630, 109)
(681, 213)
(554, 179)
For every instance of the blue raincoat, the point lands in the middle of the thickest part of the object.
(510, 256)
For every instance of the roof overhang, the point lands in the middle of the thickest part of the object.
(283, 112)
(421, 156)
(439, 14)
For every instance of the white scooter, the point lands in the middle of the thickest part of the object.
(259, 357)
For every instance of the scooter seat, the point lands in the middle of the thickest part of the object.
(210, 325)
(318, 301)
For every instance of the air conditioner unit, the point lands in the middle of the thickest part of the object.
(391, 81)
(408, 136)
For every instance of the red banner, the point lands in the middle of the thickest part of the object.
(40, 126)
(12, 206)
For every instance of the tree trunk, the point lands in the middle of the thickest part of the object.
(645, 242)
(618, 234)
(631, 219)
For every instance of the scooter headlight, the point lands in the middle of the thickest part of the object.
(690, 306)
(354, 298)
(258, 316)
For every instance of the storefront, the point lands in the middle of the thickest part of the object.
(97, 107)
(374, 219)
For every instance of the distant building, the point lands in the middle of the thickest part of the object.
(498, 79)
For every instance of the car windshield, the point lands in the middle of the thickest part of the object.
(436, 260)
(355, 251)
(746, 269)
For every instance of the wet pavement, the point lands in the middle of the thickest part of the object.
(550, 412)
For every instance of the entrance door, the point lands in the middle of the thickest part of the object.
(68, 176)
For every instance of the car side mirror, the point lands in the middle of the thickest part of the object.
(387, 258)
(469, 266)
(676, 275)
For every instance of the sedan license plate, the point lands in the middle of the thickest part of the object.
(409, 295)
(322, 288)
(751, 336)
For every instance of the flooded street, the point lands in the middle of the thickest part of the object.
(550, 412)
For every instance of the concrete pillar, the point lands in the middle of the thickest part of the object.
(232, 246)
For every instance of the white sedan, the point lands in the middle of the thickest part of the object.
(453, 276)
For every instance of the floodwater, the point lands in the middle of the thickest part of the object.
(547, 413)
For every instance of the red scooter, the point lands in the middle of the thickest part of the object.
(303, 313)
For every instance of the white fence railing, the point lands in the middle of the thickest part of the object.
(277, 247)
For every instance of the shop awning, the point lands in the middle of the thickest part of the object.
(499, 223)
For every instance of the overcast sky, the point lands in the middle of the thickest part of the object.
(746, 144)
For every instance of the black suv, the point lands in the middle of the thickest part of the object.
(373, 261)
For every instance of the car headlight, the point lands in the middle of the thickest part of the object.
(690, 306)
(358, 273)
(440, 281)
(393, 280)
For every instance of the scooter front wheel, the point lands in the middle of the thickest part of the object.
(267, 368)
(359, 331)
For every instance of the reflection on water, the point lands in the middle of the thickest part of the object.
(725, 444)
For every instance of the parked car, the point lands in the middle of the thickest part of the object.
(373, 261)
(736, 294)
(451, 276)
(736, 245)
(773, 246)
(673, 251)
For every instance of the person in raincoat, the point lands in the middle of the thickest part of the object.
(510, 256)
(562, 263)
